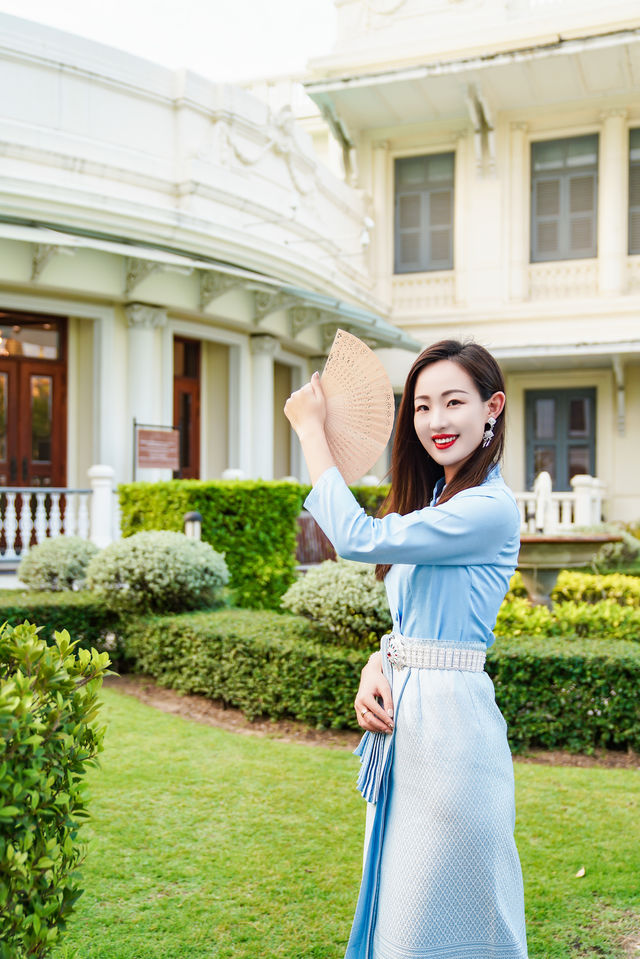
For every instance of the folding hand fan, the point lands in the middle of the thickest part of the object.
(360, 405)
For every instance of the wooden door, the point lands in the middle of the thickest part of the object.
(33, 401)
(186, 404)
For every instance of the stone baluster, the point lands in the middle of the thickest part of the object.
(10, 526)
(55, 521)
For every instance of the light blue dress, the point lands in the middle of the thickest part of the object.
(441, 878)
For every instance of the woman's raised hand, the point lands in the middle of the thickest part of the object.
(306, 409)
(373, 686)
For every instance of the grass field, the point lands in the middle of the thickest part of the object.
(207, 844)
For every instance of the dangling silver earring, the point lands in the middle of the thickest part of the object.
(487, 436)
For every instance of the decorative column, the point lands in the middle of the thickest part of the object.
(101, 479)
(145, 376)
(263, 348)
(383, 208)
(519, 198)
(613, 204)
(460, 216)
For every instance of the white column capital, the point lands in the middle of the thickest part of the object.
(619, 113)
(263, 345)
(141, 316)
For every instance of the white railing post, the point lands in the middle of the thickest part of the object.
(583, 489)
(101, 479)
(542, 488)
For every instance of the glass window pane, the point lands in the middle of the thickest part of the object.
(411, 171)
(582, 151)
(440, 168)
(579, 460)
(185, 430)
(41, 418)
(4, 397)
(36, 340)
(579, 417)
(548, 155)
(544, 458)
(634, 144)
(178, 358)
(545, 419)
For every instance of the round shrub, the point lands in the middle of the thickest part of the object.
(158, 572)
(623, 553)
(57, 564)
(344, 598)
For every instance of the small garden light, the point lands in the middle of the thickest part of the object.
(193, 525)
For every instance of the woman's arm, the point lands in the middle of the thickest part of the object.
(306, 410)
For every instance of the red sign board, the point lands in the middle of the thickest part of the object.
(158, 449)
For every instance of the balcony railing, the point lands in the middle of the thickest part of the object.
(31, 514)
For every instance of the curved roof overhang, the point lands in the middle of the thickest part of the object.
(532, 77)
(304, 308)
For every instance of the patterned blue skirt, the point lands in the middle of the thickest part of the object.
(442, 878)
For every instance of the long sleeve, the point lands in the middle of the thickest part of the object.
(472, 528)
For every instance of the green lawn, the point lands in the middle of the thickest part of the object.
(209, 845)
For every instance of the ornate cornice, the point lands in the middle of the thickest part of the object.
(214, 285)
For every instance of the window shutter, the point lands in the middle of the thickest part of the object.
(546, 245)
(408, 232)
(424, 211)
(634, 208)
(441, 232)
(582, 214)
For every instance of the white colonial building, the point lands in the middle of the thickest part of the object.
(180, 253)
(499, 142)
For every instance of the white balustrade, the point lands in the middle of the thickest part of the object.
(31, 514)
(545, 511)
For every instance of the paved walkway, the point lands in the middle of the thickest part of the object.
(10, 581)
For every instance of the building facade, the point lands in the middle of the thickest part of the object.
(499, 141)
(180, 253)
(172, 253)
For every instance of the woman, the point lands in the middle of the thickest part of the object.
(441, 876)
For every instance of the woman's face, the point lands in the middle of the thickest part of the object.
(450, 415)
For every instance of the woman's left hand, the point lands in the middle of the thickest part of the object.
(306, 409)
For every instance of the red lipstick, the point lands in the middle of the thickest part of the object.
(445, 440)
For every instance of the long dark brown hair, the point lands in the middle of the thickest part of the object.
(414, 473)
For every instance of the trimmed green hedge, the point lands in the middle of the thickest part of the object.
(85, 617)
(572, 694)
(264, 663)
(560, 694)
(252, 523)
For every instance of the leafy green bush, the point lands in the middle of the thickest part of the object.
(49, 738)
(56, 564)
(157, 572)
(85, 616)
(577, 586)
(344, 598)
(605, 620)
(252, 523)
(623, 553)
(575, 694)
(591, 588)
